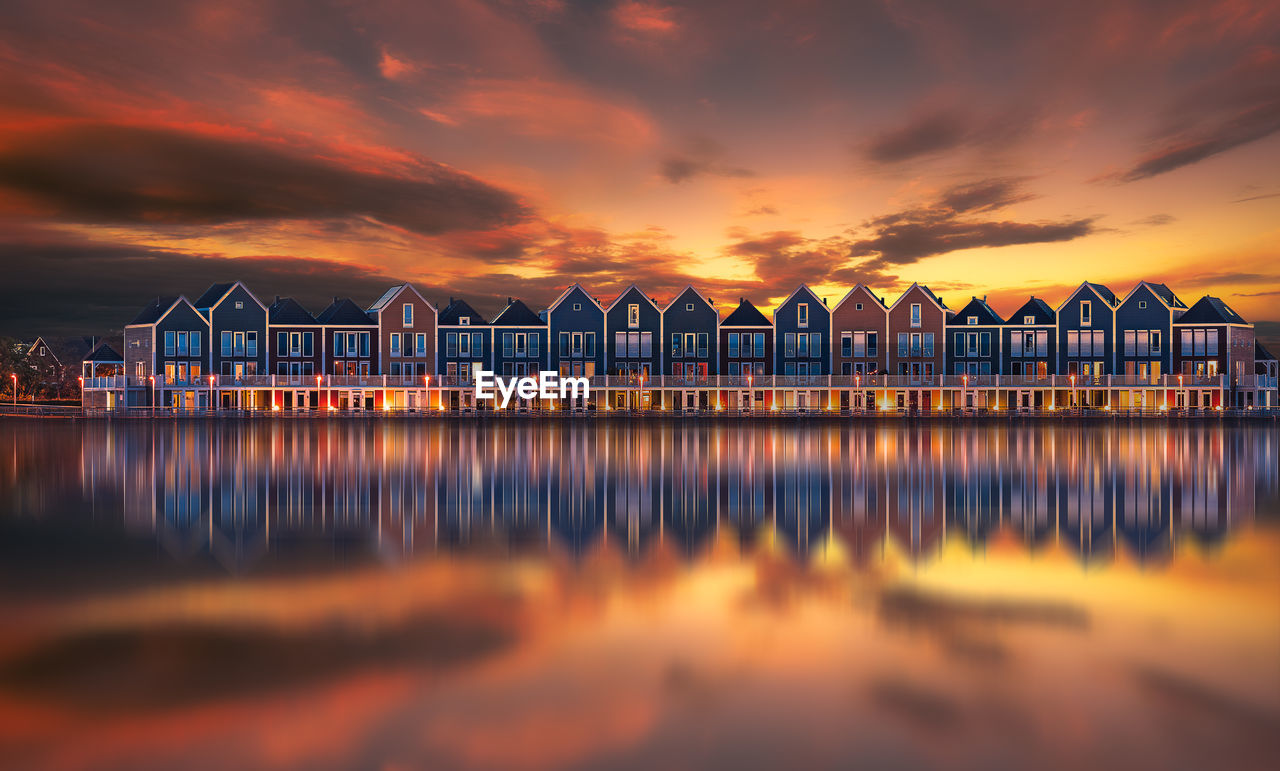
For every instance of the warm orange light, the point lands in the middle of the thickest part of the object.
(275, 407)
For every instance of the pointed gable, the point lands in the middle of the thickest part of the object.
(460, 313)
(391, 294)
(154, 310)
(287, 311)
(802, 293)
(689, 295)
(1037, 309)
(746, 315)
(517, 314)
(861, 291)
(343, 312)
(1210, 310)
(212, 295)
(1097, 290)
(575, 290)
(979, 310)
(633, 294)
(927, 292)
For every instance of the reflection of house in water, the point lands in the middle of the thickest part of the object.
(400, 489)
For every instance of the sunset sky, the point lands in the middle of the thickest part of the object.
(506, 148)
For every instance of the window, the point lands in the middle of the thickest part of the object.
(182, 343)
(1028, 319)
(857, 306)
(733, 344)
(477, 344)
(759, 345)
(789, 342)
(251, 344)
(450, 344)
(802, 315)
(464, 321)
(239, 343)
(239, 305)
(802, 346)
(395, 344)
(564, 343)
(508, 344)
(1086, 313)
(959, 344)
(590, 344)
(846, 343)
(676, 349)
(646, 344)
(282, 343)
(577, 306)
(1073, 343)
(733, 368)
(1155, 342)
(1042, 342)
(1099, 342)
(688, 306)
(308, 346)
(1211, 343)
(339, 344)
(815, 344)
(871, 345)
(702, 345)
(407, 314)
(690, 344)
(1142, 304)
(620, 344)
(226, 343)
(533, 344)
(633, 315)
(984, 344)
(1130, 342)
(928, 343)
(903, 338)
(915, 314)
(916, 347)
(972, 321)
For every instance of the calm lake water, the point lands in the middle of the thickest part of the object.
(456, 594)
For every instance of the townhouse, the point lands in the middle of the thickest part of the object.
(1145, 352)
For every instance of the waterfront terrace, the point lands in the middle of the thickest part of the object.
(1096, 352)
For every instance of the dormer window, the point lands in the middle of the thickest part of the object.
(633, 315)
(973, 321)
(802, 315)
(915, 314)
(1028, 319)
(1086, 313)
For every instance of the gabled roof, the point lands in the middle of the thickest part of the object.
(457, 310)
(746, 315)
(286, 310)
(212, 295)
(1163, 293)
(928, 292)
(861, 289)
(627, 291)
(1036, 307)
(979, 309)
(343, 312)
(568, 291)
(1260, 353)
(104, 353)
(152, 312)
(1106, 294)
(682, 292)
(394, 292)
(802, 288)
(517, 314)
(1210, 310)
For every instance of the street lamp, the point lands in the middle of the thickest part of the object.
(14, 376)
(1073, 390)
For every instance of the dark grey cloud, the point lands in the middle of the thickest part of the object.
(1249, 126)
(986, 194)
(923, 135)
(108, 173)
(909, 240)
(700, 156)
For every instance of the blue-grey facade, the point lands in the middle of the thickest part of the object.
(1144, 331)
(802, 325)
(519, 341)
(633, 324)
(1086, 330)
(238, 332)
(690, 326)
(1028, 343)
(464, 341)
(576, 325)
(974, 340)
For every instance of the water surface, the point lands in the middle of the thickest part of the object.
(460, 593)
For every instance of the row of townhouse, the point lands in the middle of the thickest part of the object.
(229, 337)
